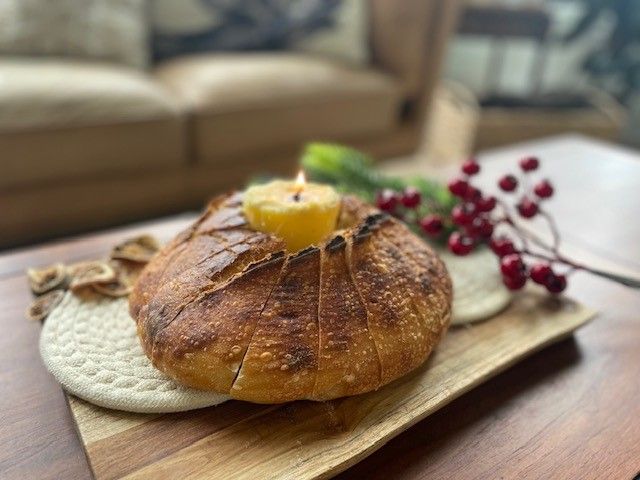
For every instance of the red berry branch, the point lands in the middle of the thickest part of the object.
(523, 255)
(484, 219)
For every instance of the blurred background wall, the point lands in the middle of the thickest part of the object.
(579, 30)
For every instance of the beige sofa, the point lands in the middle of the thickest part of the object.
(85, 145)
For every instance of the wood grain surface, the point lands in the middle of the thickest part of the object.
(569, 411)
(309, 440)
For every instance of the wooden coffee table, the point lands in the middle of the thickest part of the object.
(570, 411)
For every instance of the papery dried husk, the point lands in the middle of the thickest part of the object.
(85, 274)
(126, 274)
(42, 280)
(138, 249)
(43, 305)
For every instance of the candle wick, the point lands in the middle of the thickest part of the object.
(296, 196)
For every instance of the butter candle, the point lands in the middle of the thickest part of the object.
(301, 213)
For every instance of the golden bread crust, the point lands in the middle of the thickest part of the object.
(224, 308)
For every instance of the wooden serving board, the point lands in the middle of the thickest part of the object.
(309, 440)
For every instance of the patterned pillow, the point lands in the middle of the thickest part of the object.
(335, 28)
(111, 30)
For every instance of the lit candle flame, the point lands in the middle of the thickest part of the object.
(300, 181)
(299, 184)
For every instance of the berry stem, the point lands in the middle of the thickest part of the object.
(525, 235)
(551, 252)
(629, 282)
(554, 230)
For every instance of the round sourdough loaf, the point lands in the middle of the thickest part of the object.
(224, 308)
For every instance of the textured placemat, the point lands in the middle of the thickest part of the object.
(89, 344)
(478, 291)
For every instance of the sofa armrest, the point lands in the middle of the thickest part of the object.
(408, 40)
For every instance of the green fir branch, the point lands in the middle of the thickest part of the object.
(351, 171)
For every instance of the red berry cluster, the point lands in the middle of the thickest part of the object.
(400, 204)
(515, 274)
(476, 224)
(389, 200)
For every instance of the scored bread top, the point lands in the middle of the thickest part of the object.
(223, 307)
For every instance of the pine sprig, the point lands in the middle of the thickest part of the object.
(351, 171)
(345, 168)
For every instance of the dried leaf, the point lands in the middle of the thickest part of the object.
(112, 289)
(42, 280)
(126, 274)
(85, 274)
(42, 306)
(137, 249)
(127, 271)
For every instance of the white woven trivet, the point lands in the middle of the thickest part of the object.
(478, 292)
(90, 345)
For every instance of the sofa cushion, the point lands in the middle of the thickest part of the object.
(248, 103)
(107, 30)
(337, 29)
(43, 157)
(40, 93)
(62, 120)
